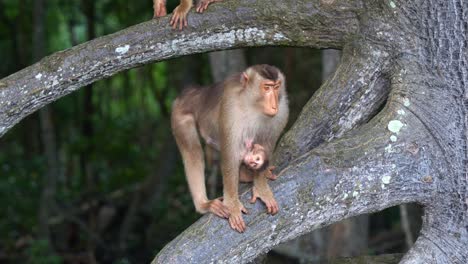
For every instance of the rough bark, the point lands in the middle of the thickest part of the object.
(339, 159)
(49, 181)
(343, 239)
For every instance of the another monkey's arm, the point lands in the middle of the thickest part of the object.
(159, 8)
(179, 16)
(203, 4)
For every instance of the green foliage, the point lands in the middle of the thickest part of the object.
(40, 252)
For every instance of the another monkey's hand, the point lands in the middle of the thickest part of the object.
(179, 16)
(203, 4)
(215, 207)
(269, 173)
(236, 208)
(267, 197)
(159, 8)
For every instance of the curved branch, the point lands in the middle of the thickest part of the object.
(231, 24)
(348, 99)
(365, 171)
(435, 245)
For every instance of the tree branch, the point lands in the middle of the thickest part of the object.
(231, 24)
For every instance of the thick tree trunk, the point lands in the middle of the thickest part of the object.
(345, 155)
(49, 181)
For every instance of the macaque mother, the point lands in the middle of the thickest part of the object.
(249, 106)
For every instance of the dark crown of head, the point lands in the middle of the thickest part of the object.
(267, 71)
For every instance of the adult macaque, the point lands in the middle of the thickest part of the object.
(250, 106)
(179, 15)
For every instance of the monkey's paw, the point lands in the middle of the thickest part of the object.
(267, 198)
(217, 207)
(269, 173)
(203, 4)
(235, 218)
(160, 9)
(179, 16)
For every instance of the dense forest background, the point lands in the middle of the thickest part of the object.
(96, 176)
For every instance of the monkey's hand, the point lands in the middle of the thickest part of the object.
(179, 16)
(159, 8)
(269, 173)
(203, 4)
(215, 207)
(267, 197)
(236, 208)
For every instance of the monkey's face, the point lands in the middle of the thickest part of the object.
(255, 158)
(270, 93)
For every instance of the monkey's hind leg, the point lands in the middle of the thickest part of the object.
(187, 139)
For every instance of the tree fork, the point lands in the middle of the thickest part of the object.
(349, 98)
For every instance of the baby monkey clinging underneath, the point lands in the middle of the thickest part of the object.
(179, 15)
(249, 106)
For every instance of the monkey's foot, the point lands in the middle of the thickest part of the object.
(203, 4)
(267, 198)
(269, 173)
(216, 207)
(179, 16)
(235, 218)
(159, 9)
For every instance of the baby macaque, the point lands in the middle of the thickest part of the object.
(254, 158)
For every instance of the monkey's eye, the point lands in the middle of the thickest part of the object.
(257, 159)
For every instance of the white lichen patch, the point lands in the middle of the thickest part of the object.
(355, 194)
(345, 196)
(395, 126)
(401, 112)
(392, 4)
(386, 179)
(279, 36)
(39, 76)
(55, 82)
(406, 102)
(393, 138)
(388, 148)
(122, 50)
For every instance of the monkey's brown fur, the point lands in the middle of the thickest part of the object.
(248, 106)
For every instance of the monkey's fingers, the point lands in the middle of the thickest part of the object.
(275, 207)
(254, 195)
(268, 206)
(174, 19)
(160, 10)
(244, 210)
(202, 6)
(218, 208)
(272, 207)
(237, 223)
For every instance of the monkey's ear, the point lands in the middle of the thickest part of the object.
(244, 79)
